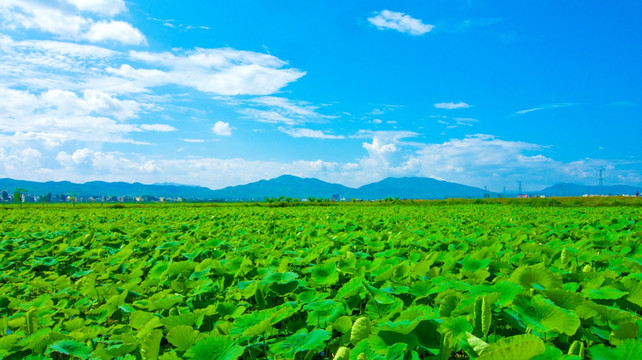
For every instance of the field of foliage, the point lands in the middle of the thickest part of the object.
(487, 281)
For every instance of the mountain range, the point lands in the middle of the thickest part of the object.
(289, 186)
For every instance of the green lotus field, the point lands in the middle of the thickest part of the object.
(479, 281)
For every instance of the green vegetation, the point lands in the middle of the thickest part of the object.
(397, 280)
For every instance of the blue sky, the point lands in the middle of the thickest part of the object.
(484, 93)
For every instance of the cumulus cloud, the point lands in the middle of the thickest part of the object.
(399, 21)
(475, 160)
(222, 129)
(58, 21)
(58, 116)
(158, 127)
(309, 133)
(103, 164)
(36, 16)
(113, 30)
(379, 151)
(102, 7)
(223, 71)
(451, 105)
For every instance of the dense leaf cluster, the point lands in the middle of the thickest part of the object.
(342, 282)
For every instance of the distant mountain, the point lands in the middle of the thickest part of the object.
(286, 185)
(418, 188)
(565, 189)
(101, 188)
(296, 187)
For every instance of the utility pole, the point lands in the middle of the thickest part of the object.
(519, 183)
(601, 181)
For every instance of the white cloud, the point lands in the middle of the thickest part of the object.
(103, 164)
(114, 30)
(451, 105)
(29, 14)
(103, 7)
(33, 15)
(222, 71)
(379, 151)
(58, 116)
(277, 110)
(390, 135)
(222, 128)
(308, 133)
(399, 21)
(542, 107)
(475, 160)
(526, 111)
(196, 141)
(158, 127)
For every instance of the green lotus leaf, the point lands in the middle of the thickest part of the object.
(542, 315)
(157, 270)
(150, 345)
(198, 275)
(44, 261)
(361, 329)
(372, 348)
(603, 294)
(307, 297)
(138, 319)
(70, 348)
(563, 298)
(456, 326)
(624, 331)
(166, 302)
(396, 351)
(611, 314)
(284, 289)
(505, 290)
(168, 245)
(169, 355)
(279, 278)
(252, 324)
(474, 345)
(536, 277)
(626, 349)
(343, 353)
(320, 313)
(284, 311)
(482, 316)
(350, 288)
(215, 347)
(518, 347)
(375, 309)
(408, 320)
(182, 336)
(189, 319)
(325, 274)
(553, 353)
(447, 305)
(7, 341)
(300, 342)
(343, 324)
(470, 264)
(635, 292)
